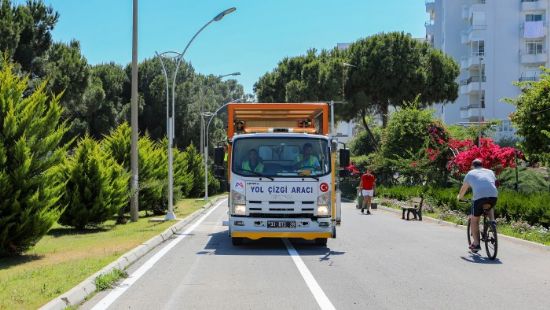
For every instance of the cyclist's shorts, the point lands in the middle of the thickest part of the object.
(477, 207)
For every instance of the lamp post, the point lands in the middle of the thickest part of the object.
(211, 115)
(344, 71)
(134, 201)
(170, 113)
(206, 146)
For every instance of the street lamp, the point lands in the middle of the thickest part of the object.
(345, 65)
(170, 117)
(134, 200)
(211, 115)
(230, 74)
(203, 125)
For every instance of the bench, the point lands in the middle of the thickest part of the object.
(413, 206)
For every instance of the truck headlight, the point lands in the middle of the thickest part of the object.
(323, 204)
(238, 203)
(239, 210)
(237, 198)
(323, 211)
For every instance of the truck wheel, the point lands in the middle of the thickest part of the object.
(237, 241)
(321, 241)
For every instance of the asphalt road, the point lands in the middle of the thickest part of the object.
(377, 262)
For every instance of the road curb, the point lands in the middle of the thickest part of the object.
(79, 293)
(528, 243)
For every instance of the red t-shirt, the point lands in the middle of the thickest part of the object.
(368, 181)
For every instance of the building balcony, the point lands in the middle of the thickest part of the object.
(528, 79)
(473, 33)
(534, 5)
(430, 27)
(430, 6)
(466, 12)
(471, 112)
(536, 58)
(539, 33)
(470, 62)
(471, 85)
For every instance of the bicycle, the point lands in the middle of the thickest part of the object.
(488, 231)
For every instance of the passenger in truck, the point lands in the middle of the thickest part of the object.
(253, 163)
(307, 159)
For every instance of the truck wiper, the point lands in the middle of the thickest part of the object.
(260, 175)
(310, 176)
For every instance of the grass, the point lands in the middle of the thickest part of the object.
(65, 257)
(525, 232)
(106, 281)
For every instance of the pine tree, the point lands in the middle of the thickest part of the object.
(30, 157)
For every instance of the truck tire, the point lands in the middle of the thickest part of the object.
(237, 241)
(321, 241)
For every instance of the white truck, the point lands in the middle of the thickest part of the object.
(282, 173)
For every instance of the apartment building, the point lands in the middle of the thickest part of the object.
(496, 43)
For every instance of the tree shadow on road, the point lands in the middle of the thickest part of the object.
(478, 259)
(220, 244)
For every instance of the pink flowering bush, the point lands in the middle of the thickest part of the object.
(493, 156)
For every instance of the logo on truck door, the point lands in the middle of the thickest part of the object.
(323, 187)
(239, 185)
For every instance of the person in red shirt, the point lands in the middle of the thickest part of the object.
(367, 185)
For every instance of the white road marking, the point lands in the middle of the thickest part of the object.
(126, 284)
(316, 290)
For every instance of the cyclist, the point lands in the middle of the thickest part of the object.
(482, 181)
(307, 160)
(253, 163)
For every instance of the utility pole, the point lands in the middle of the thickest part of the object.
(134, 203)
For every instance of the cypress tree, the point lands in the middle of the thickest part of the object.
(97, 187)
(30, 157)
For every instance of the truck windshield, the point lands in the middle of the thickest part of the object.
(281, 157)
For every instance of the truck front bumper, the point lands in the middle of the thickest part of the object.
(256, 228)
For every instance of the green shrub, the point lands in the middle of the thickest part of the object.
(530, 180)
(153, 176)
(30, 154)
(152, 165)
(196, 167)
(399, 192)
(183, 178)
(96, 188)
(531, 208)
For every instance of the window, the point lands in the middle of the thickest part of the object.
(279, 157)
(534, 47)
(478, 48)
(533, 17)
(483, 100)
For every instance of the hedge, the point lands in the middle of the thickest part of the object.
(533, 208)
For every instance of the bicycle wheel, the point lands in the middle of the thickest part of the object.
(491, 239)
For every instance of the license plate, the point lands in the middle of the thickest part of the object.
(281, 224)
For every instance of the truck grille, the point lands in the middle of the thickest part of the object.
(277, 216)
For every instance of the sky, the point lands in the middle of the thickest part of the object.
(251, 40)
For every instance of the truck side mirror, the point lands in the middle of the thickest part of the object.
(344, 158)
(219, 156)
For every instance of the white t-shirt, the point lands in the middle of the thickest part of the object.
(482, 182)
